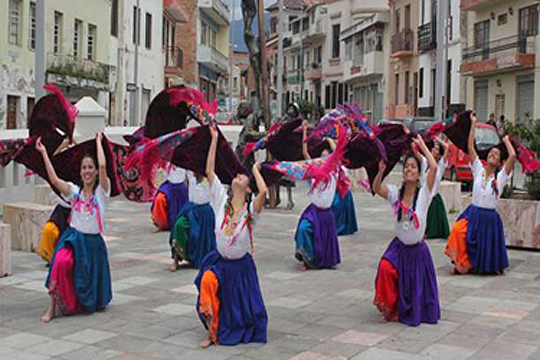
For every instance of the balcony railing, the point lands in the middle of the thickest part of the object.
(402, 41)
(506, 46)
(68, 65)
(213, 58)
(427, 37)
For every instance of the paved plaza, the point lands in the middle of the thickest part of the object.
(312, 315)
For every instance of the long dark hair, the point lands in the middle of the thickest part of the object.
(402, 189)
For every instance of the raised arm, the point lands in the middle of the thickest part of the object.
(104, 181)
(258, 203)
(378, 187)
(331, 143)
(509, 164)
(305, 150)
(446, 147)
(58, 183)
(211, 159)
(432, 164)
(472, 133)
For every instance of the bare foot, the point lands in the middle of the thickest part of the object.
(174, 266)
(48, 316)
(302, 266)
(206, 342)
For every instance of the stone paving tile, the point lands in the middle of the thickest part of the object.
(175, 309)
(473, 304)
(503, 350)
(288, 303)
(90, 353)
(124, 343)
(90, 336)
(360, 338)
(309, 355)
(383, 354)
(55, 347)
(187, 289)
(447, 352)
(281, 276)
(23, 355)
(333, 348)
(23, 340)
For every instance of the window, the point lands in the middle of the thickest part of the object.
(114, 18)
(408, 17)
(14, 22)
(180, 59)
(204, 29)
(374, 40)
(213, 39)
(335, 40)
(398, 20)
(29, 108)
(407, 91)
(91, 51)
(502, 19)
(528, 21)
(305, 24)
(77, 35)
(148, 38)
(32, 24)
(58, 30)
(327, 97)
(481, 34)
(396, 89)
(421, 83)
(348, 49)
(12, 111)
(136, 38)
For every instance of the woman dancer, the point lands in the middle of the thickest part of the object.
(406, 284)
(79, 277)
(316, 237)
(230, 302)
(170, 198)
(193, 234)
(345, 213)
(477, 242)
(437, 220)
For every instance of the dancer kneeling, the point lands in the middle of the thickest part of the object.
(316, 237)
(79, 279)
(193, 235)
(477, 242)
(230, 303)
(406, 284)
(170, 198)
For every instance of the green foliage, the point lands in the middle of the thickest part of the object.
(508, 192)
(306, 108)
(533, 185)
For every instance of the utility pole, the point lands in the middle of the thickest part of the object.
(264, 64)
(302, 60)
(442, 63)
(280, 61)
(40, 55)
(231, 56)
(136, 71)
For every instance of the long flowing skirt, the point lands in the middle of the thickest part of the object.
(345, 213)
(406, 284)
(230, 298)
(79, 275)
(484, 240)
(316, 238)
(52, 230)
(169, 200)
(437, 220)
(193, 235)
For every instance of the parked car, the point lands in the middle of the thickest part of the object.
(389, 121)
(225, 118)
(459, 168)
(244, 110)
(419, 124)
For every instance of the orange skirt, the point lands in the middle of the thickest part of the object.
(49, 239)
(209, 302)
(386, 291)
(456, 248)
(160, 212)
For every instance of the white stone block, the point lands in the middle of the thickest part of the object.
(5, 250)
(26, 220)
(451, 194)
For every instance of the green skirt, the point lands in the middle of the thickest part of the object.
(437, 221)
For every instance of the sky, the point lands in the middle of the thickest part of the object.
(238, 14)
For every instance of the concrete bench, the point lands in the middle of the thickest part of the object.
(5, 250)
(451, 194)
(45, 196)
(26, 220)
(521, 219)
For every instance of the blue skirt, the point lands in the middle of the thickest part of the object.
(91, 272)
(486, 244)
(177, 196)
(242, 314)
(418, 298)
(202, 236)
(316, 238)
(345, 213)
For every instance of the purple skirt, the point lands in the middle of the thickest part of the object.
(316, 238)
(418, 300)
(177, 196)
(486, 244)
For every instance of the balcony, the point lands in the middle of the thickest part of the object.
(317, 31)
(402, 43)
(212, 58)
(468, 5)
(293, 77)
(71, 71)
(427, 37)
(173, 61)
(216, 10)
(503, 55)
(314, 73)
(370, 65)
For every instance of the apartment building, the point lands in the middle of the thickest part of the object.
(365, 68)
(77, 40)
(213, 47)
(499, 61)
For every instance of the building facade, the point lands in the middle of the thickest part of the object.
(77, 45)
(499, 60)
(213, 47)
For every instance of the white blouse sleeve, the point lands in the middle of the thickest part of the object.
(393, 194)
(103, 197)
(73, 191)
(218, 194)
(502, 179)
(477, 167)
